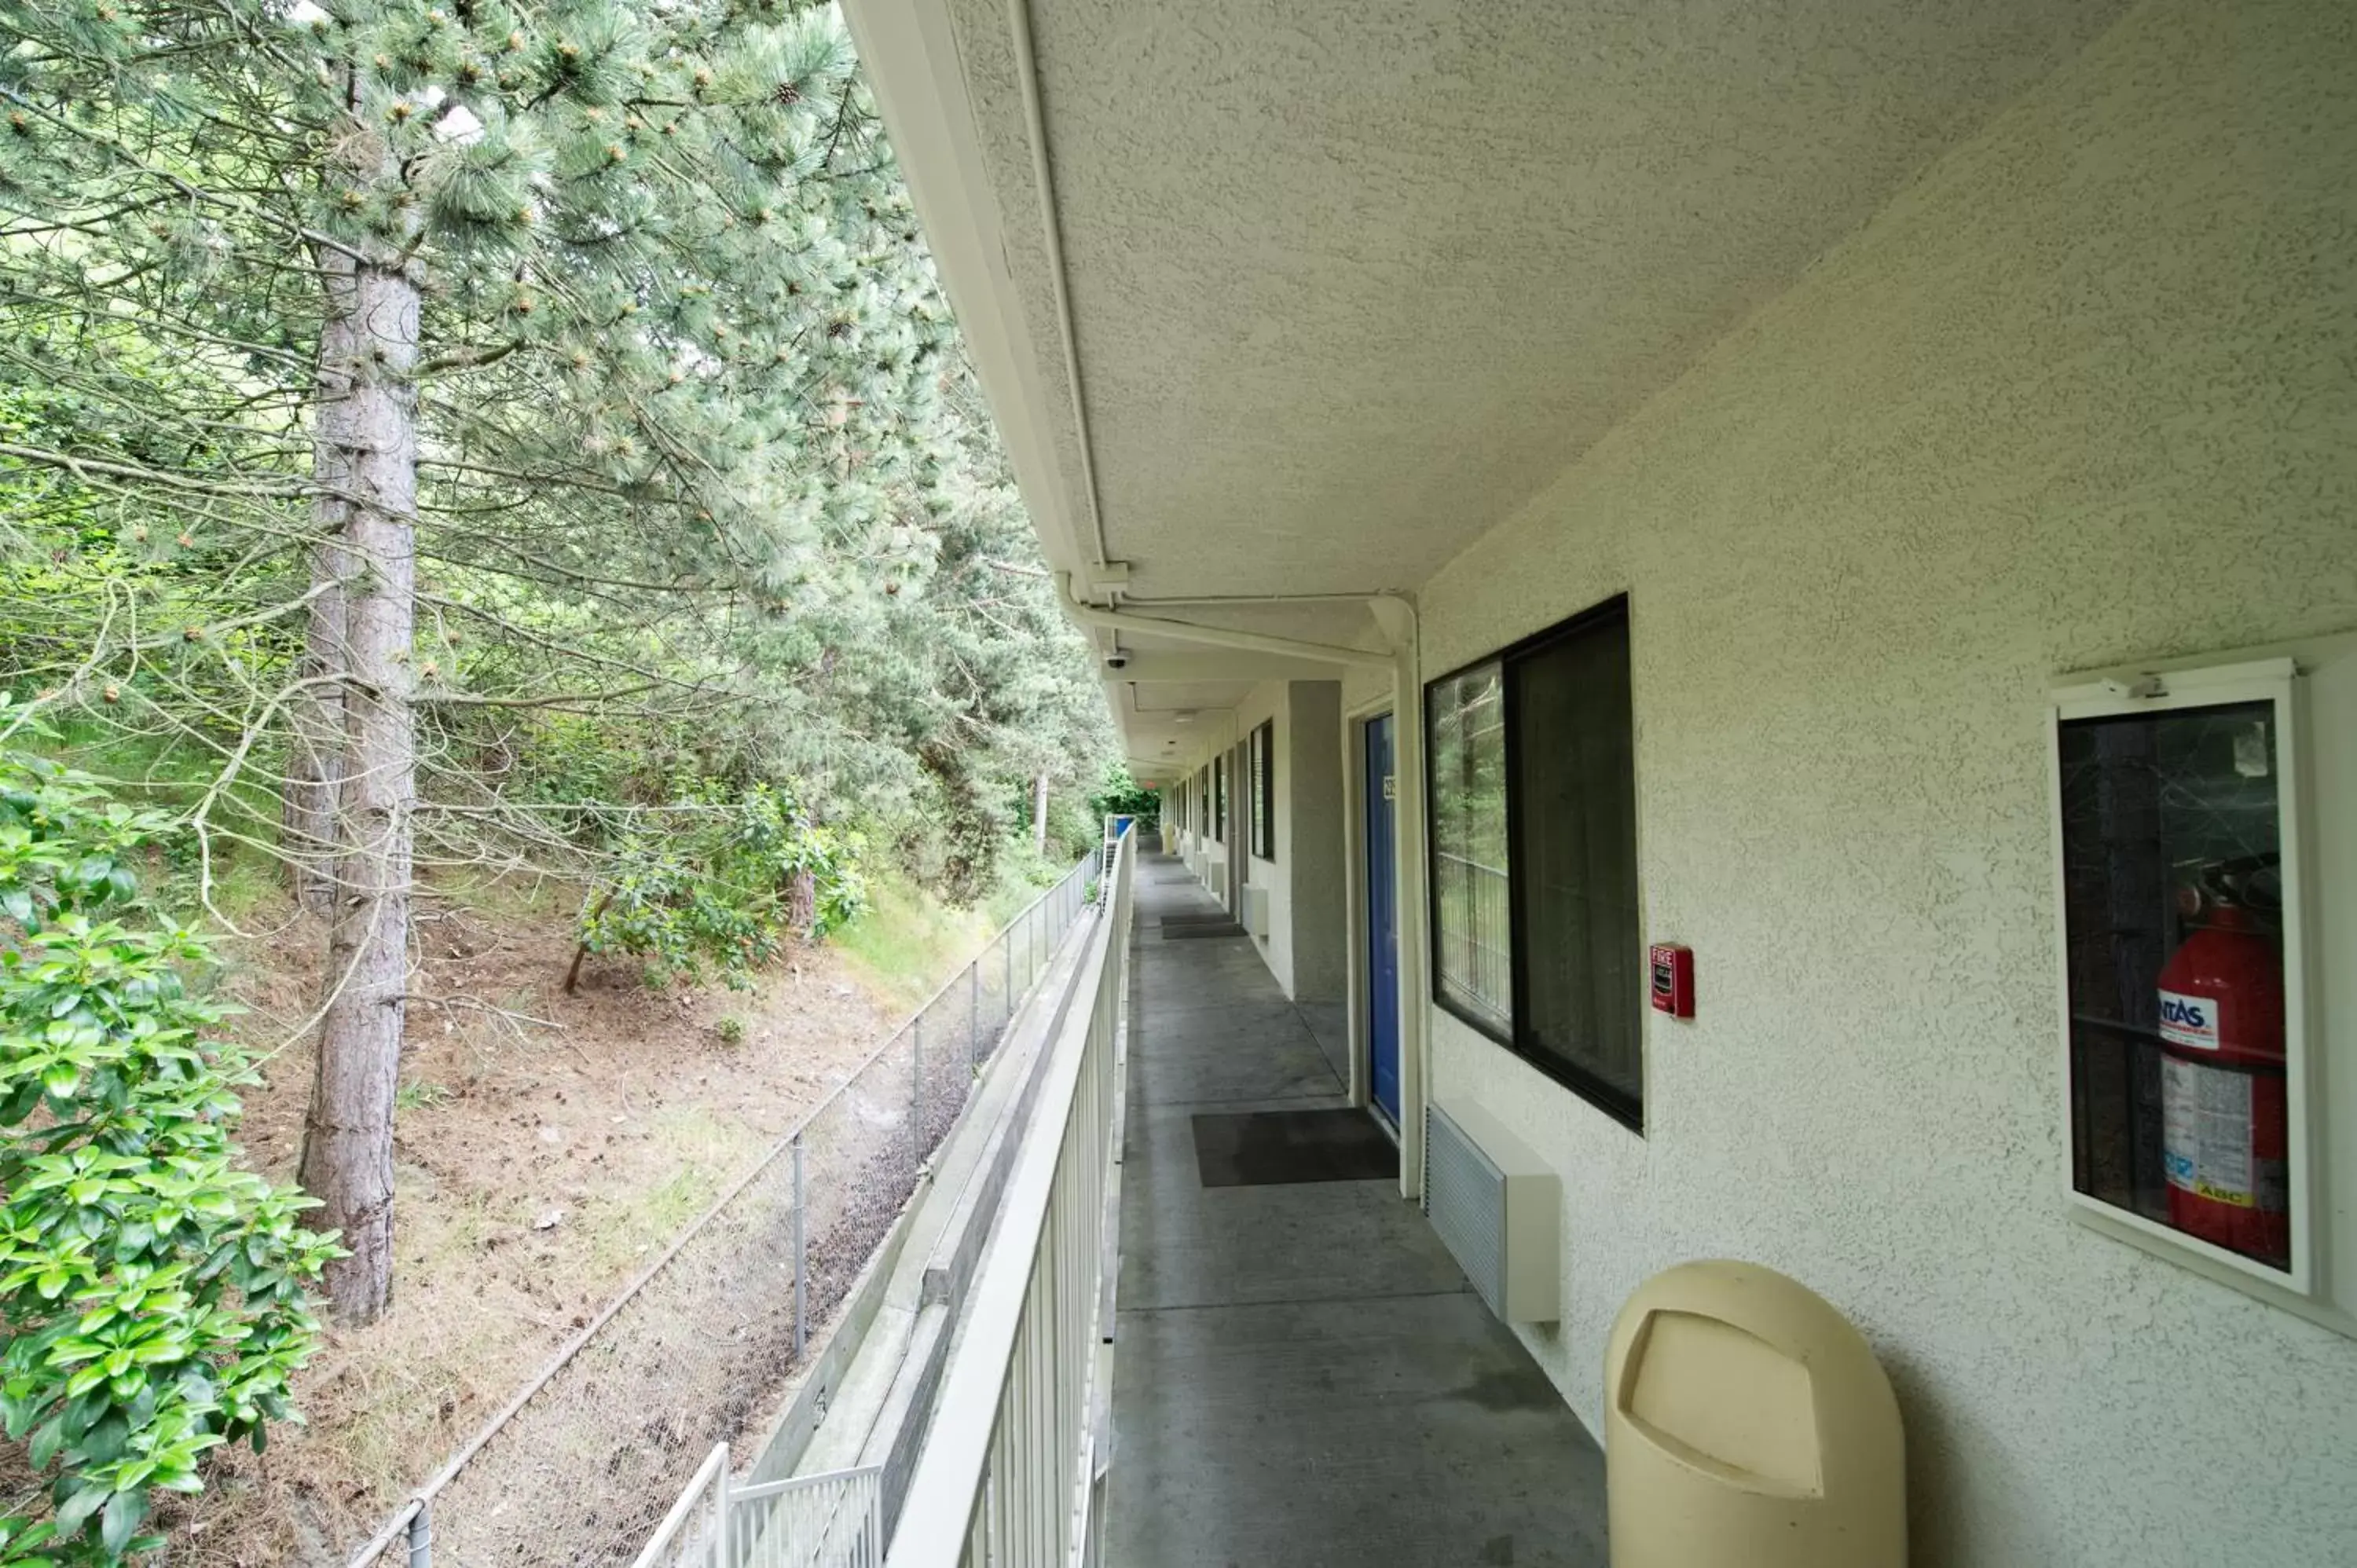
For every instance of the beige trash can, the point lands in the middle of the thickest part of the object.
(1748, 1425)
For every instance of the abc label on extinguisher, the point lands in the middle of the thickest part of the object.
(2189, 1020)
(2207, 1114)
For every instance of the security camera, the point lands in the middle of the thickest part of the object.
(1116, 661)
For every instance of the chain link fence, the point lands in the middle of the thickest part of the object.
(581, 1466)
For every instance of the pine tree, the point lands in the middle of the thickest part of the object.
(579, 295)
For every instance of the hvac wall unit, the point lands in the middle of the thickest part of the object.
(1497, 1206)
(1215, 878)
(1256, 911)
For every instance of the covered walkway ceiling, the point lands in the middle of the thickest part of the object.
(1292, 298)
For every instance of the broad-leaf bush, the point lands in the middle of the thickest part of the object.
(718, 880)
(152, 1292)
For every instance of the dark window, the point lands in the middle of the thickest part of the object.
(1534, 802)
(1263, 790)
(1219, 796)
(2172, 899)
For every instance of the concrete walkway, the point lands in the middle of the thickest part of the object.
(1302, 1376)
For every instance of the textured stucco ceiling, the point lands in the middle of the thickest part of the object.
(1348, 281)
(1168, 724)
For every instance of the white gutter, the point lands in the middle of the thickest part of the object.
(1051, 235)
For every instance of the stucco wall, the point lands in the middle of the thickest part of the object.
(2085, 393)
(1308, 924)
(1309, 843)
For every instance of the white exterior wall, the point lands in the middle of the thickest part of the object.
(2082, 395)
(1308, 930)
(1309, 841)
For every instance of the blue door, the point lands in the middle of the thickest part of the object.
(1382, 925)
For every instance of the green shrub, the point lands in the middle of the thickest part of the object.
(1119, 794)
(152, 1301)
(713, 882)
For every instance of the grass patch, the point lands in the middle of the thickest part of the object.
(623, 1235)
(171, 773)
(1022, 877)
(497, 896)
(907, 940)
(419, 1096)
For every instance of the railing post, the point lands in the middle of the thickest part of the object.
(1007, 951)
(974, 1014)
(917, 1088)
(721, 1556)
(801, 1260)
(421, 1535)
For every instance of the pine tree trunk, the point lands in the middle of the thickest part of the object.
(348, 1135)
(316, 715)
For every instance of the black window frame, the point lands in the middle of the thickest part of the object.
(1627, 1108)
(1219, 796)
(1262, 752)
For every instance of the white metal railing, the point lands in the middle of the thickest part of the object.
(831, 1520)
(1005, 1477)
(1476, 960)
(694, 1534)
(775, 1254)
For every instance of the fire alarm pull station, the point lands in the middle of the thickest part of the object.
(1673, 966)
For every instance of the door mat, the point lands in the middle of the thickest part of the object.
(1272, 1148)
(1224, 929)
(1196, 918)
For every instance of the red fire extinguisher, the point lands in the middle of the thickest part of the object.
(2226, 1123)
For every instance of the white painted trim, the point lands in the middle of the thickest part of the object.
(1051, 238)
(2313, 1173)
(1408, 817)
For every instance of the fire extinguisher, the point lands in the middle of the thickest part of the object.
(2226, 1123)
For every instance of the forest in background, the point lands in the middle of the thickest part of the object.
(441, 443)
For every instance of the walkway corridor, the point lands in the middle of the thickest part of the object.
(1302, 1376)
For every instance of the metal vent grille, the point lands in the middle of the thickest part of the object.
(1465, 1198)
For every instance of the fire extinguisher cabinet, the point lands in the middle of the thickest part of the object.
(1748, 1425)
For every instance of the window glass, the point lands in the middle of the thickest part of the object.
(2172, 912)
(1263, 790)
(1472, 969)
(1574, 840)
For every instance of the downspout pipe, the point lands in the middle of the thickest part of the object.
(1087, 614)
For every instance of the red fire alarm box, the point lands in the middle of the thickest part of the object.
(1673, 967)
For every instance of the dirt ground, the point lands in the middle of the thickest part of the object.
(539, 1167)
